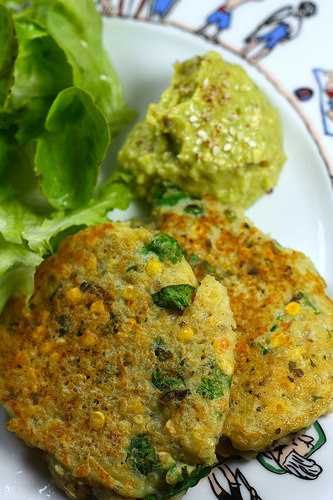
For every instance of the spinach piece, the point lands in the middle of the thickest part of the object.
(214, 385)
(189, 481)
(194, 209)
(168, 195)
(174, 297)
(166, 248)
(141, 454)
(165, 381)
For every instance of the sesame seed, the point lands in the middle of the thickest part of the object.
(216, 150)
(227, 147)
(206, 83)
(193, 119)
(252, 144)
(203, 134)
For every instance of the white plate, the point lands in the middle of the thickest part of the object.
(298, 214)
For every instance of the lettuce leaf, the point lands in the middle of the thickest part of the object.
(114, 194)
(17, 268)
(70, 152)
(59, 48)
(41, 72)
(76, 26)
(60, 103)
(30, 237)
(8, 52)
(15, 218)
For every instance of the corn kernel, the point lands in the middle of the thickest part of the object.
(47, 347)
(38, 333)
(279, 340)
(293, 308)
(88, 339)
(97, 420)
(98, 307)
(128, 293)
(154, 267)
(74, 295)
(185, 334)
(295, 355)
(220, 344)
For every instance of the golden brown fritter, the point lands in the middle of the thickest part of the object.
(120, 367)
(283, 377)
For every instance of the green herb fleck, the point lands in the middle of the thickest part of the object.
(109, 370)
(141, 454)
(193, 259)
(174, 297)
(316, 398)
(274, 327)
(207, 267)
(166, 248)
(264, 349)
(194, 209)
(230, 215)
(307, 302)
(160, 350)
(202, 267)
(165, 381)
(215, 385)
(63, 322)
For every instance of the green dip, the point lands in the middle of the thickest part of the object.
(212, 133)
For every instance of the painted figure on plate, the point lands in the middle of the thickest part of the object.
(294, 458)
(158, 9)
(222, 479)
(220, 19)
(324, 79)
(284, 25)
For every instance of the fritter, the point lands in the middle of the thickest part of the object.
(283, 377)
(120, 366)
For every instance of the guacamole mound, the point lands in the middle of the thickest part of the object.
(212, 133)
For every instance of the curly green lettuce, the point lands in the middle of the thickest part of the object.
(61, 103)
